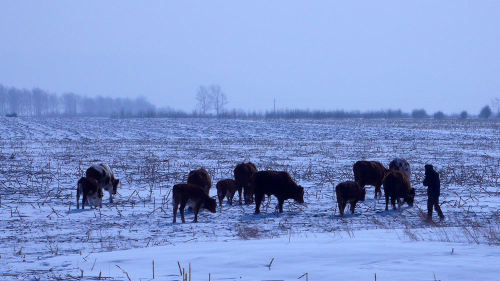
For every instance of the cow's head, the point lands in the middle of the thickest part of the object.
(211, 205)
(299, 196)
(115, 185)
(248, 194)
(411, 197)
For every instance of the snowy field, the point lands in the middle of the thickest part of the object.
(44, 237)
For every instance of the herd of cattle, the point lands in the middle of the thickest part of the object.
(255, 184)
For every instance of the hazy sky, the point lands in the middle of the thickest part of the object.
(365, 55)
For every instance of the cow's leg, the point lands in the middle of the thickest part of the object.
(399, 203)
(84, 200)
(220, 195)
(378, 190)
(230, 195)
(183, 205)
(386, 202)
(393, 202)
(341, 206)
(110, 197)
(239, 193)
(258, 202)
(78, 198)
(175, 206)
(281, 201)
(196, 209)
(353, 206)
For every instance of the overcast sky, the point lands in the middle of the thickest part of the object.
(365, 55)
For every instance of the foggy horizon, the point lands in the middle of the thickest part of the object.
(319, 56)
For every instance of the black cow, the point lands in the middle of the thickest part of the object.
(91, 191)
(279, 184)
(243, 173)
(349, 191)
(369, 173)
(226, 188)
(201, 178)
(191, 194)
(396, 186)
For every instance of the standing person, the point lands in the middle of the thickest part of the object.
(433, 191)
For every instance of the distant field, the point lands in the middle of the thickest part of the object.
(42, 159)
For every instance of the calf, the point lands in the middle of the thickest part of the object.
(349, 191)
(201, 178)
(399, 164)
(279, 184)
(103, 174)
(226, 188)
(396, 186)
(243, 174)
(191, 194)
(369, 173)
(91, 191)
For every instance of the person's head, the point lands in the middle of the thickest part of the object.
(428, 168)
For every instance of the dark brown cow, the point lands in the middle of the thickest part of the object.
(369, 173)
(349, 191)
(191, 194)
(202, 178)
(91, 191)
(243, 174)
(226, 188)
(279, 184)
(396, 186)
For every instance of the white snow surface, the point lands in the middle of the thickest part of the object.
(358, 255)
(44, 237)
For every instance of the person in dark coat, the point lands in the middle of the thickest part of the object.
(433, 191)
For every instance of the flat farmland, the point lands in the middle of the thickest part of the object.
(42, 159)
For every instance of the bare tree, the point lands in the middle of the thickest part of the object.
(495, 105)
(3, 100)
(219, 99)
(69, 102)
(13, 101)
(53, 104)
(40, 101)
(204, 100)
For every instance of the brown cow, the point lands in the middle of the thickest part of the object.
(191, 194)
(396, 186)
(279, 184)
(369, 173)
(243, 174)
(91, 191)
(202, 178)
(226, 188)
(349, 191)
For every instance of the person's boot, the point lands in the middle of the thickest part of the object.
(429, 217)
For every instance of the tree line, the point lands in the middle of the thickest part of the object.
(211, 102)
(37, 102)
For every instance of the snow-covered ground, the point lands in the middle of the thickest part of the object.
(357, 255)
(43, 235)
